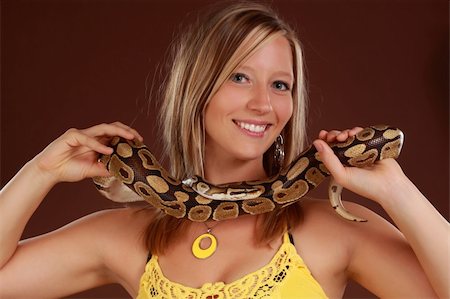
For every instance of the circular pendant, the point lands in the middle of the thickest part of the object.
(201, 253)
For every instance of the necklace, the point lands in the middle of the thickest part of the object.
(198, 251)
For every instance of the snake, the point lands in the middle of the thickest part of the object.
(136, 175)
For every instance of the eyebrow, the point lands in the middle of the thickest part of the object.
(277, 72)
(287, 74)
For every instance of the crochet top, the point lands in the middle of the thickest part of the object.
(285, 276)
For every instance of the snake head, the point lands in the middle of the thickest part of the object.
(392, 148)
(369, 145)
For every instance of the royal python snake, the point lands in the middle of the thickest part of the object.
(132, 165)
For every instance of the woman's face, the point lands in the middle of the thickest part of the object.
(251, 108)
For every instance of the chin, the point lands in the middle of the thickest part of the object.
(250, 156)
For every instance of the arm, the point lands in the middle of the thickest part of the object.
(426, 230)
(59, 263)
(383, 261)
(17, 204)
(71, 157)
(386, 184)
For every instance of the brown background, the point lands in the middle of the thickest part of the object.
(78, 63)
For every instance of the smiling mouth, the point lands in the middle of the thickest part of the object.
(254, 128)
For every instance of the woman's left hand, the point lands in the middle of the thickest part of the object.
(375, 182)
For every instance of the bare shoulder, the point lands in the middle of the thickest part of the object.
(321, 220)
(100, 248)
(373, 253)
(112, 232)
(109, 225)
(326, 242)
(114, 221)
(320, 213)
(321, 228)
(119, 237)
(118, 232)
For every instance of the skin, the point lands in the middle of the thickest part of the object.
(257, 93)
(106, 247)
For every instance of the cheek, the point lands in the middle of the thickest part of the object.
(214, 108)
(224, 101)
(284, 110)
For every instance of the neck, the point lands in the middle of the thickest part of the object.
(231, 170)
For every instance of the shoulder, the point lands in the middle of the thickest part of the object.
(373, 253)
(322, 228)
(103, 247)
(119, 238)
(112, 224)
(107, 229)
(319, 215)
(320, 219)
(116, 227)
(118, 218)
(330, 244)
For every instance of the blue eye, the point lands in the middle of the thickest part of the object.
(280, 85)
(239, 78)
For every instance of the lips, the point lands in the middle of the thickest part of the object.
(252, 127)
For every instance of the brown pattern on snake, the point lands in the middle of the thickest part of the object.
(132, 165)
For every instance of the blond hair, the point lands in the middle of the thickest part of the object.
(203, 59)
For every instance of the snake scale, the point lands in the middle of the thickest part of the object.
(132, 165)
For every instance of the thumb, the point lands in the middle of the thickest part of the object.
(330, 160)
(98, 169)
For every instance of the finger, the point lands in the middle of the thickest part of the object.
(98, 169)
(355, 131)
(342, 136)
(130, 129)
(108, 130)
(323, 134)
(75, 138)
(331, 136)
(334, 132)
(106, 140)
(330, 160)
(336, 135)
(328, 136)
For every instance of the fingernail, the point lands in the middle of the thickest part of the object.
(318, 146)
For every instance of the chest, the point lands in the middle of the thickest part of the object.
(235, 258)
(232, 260)
(285, 276)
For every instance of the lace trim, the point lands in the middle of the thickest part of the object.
(258, 284)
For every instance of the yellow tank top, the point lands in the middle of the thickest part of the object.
(285, 276)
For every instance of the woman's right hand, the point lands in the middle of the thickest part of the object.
(74, 155)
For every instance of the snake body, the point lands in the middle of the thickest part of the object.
(132, 165)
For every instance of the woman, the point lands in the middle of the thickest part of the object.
(236, 85)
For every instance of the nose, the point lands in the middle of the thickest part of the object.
(260, 101)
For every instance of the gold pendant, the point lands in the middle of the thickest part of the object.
(201, 253)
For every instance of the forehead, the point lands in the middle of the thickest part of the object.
(275, 53)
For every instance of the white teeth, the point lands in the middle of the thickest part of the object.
(252, 127)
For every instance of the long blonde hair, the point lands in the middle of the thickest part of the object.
(203, 59)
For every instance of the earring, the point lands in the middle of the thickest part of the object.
(279, 151)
